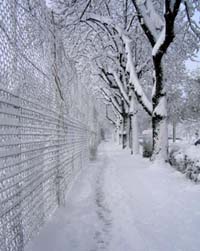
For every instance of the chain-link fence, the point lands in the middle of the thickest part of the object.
(45, 127)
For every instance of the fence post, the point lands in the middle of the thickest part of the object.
(59, 175)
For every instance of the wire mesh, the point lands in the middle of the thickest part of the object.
(44, 137)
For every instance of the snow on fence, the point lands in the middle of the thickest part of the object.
(40, 152)
(46, 122)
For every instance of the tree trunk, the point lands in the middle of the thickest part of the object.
(160, 138)
(174, 131)
(124, 127)
(124, 131)
(118, 131)
(134, 139)
(130, 132)
(159, 117)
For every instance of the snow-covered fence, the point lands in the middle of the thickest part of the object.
(46, 121)
(40, 153)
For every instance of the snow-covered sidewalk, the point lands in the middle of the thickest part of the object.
(121, 203)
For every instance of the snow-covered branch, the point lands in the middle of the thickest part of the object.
(149, 19)
(167, 34)
(112, 99)
(130, 66)
(193, 26)
(135, 83)
(108, 117)
(120, 85)
(143, 68)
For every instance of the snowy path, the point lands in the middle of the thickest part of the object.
(120, 203)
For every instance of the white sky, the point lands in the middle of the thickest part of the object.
(193, 65)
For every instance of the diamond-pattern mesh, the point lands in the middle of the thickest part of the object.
(44, 138)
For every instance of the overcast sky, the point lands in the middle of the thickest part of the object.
(193, 65)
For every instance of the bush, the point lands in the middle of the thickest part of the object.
(185, 158)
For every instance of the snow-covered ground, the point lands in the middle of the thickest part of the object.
(122, 203)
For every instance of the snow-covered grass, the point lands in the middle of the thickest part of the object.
(123, 203)
(186, 158)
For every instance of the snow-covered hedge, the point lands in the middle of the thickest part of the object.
(186, 159)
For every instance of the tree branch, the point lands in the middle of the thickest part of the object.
(194, 29)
